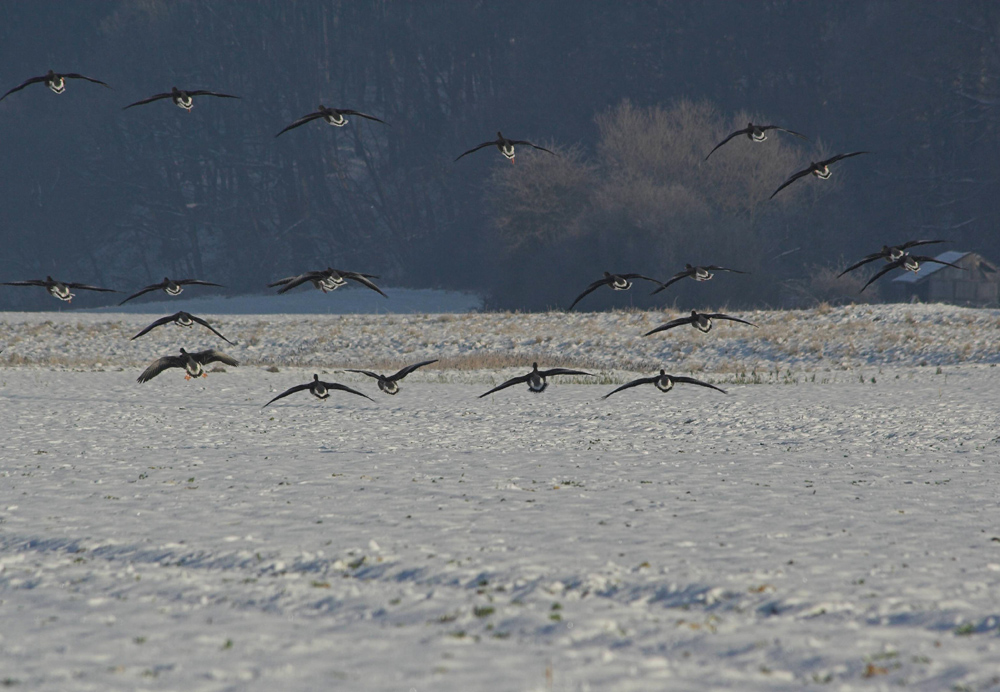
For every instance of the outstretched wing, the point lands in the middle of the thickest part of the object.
(640, 276)
(202, 92)
(293, 281)
(154, 325)
(882, 272)
(75, 75)
(691, 380)
(562, 371)
(676, 277)
(363, 280)
(197, 282)
(508, 383)
(33, 80)
(783, 129)
(634, 383)
(296, 388)
(363, 115)
(913, 243)
(838, 157)
(365, 372)
(149, 100)
(744, 131)
(158, 366)
(345, 388)
(721, 316)
(869, 258)
(669, 325)
(211, 356)
(717, 268)
(935, 261)
(484, 144)
(590, 289)
(410, 368)
(525, 142)
(86, 287)
(212, 329)
(141, 291)
(796, 176)
(29, 282)
(301, 121)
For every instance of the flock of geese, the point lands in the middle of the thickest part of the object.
(329, 279)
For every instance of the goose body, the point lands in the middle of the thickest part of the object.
(192, 363)
(327, 280)
(58, 289)
(663, 382)
(618, 282)
(536, 379)
(908, 262)
(390, 383)
(181, 98)
(332, 116)
(54, 81)
(821, 170)
(170, 287)
(319, 389)
(755, 133)
(702, 321)
(700, 273)
(181, 319)
(506, 146)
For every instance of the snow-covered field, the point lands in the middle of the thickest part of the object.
(835, 526)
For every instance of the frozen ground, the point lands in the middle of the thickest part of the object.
(832, 532)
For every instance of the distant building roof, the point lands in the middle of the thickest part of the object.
(952, 257)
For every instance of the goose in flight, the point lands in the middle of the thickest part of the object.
(58, 289)
(55, 82)
(170, 287)
(333, 116)
(755, 133)
(319, 389)
(326, 280)
(664, 383)
(181, 319)
(697, 273)
(821, 170)
(702, 321)
(389, 384)
(618, 282)
(181, 98)
(193, 364)
(910, 263)
(890, 253)
(535, 379)
(506, 146)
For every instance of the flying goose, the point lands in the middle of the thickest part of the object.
(664, 383)
(181, 98)
(702, 321)
(181, 319)
(333, 116)
(58, 289)
(821, 170)
(171, 287)
(193, 364)
(55, 82)
(506, 146)
(320, 390)
(326, 280)
(618, 282)
(910, 263)
(388, 384)
(697, 273)
(535, 379)
(890, 253)
(755, 133)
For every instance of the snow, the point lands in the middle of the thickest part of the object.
(836, 529)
